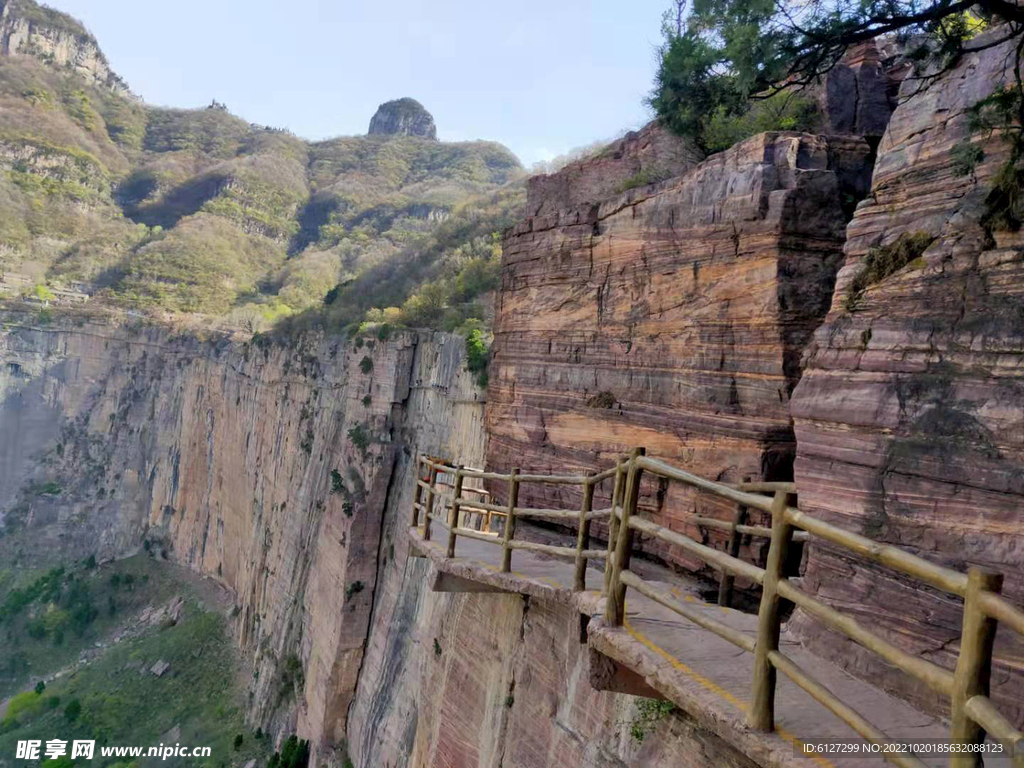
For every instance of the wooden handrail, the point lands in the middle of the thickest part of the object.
(710, 555)
(725, 632)
(831, 702)
(899, 560)
(973, 713)
(937, 678)
(984, 713)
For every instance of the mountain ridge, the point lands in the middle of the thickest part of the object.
(169, 210)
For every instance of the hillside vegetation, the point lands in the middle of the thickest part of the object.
(79, 656)
(196, 210)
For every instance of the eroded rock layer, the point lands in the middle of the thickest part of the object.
(672, 317)
(640, 157)
(910, 413)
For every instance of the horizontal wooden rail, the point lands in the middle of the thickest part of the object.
(600, 476)
(984, 713)
(469, 533)
(486, 506)
(763, 487)
(547, 514)
(827, 699)
(477, 511)
(751, 530)
(657, 467)
(893, 557)
(553, 550)
(553, 479)
(488, 475)
(934, 676)
(997, 607)
(725, 632)
(708, 554)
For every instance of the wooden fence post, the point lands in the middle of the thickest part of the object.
(428, 508)
(735, 537)
(615, 609)
(417, 493)
(453, 520)
(613, 524)
(973, 664)
(583, 536)
(510, 521)
(762, 700)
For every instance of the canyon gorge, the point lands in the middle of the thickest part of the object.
(713, 310)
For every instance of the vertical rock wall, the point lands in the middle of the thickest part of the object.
(910, 414)
(673, 317)
(266, 467)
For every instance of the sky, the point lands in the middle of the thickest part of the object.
(540, 76)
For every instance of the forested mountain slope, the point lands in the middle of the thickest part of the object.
(197, 210)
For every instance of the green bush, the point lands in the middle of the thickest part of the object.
(478, 356)
(337, 484)
(352, 589)
(883, 261)
(360, 438)
(649, 713)
(294, 754)
(72, 710)
(366, 364)
(784, 111)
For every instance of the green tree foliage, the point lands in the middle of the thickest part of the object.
(72, 710)
(294, 754)
(435, 281)
(724, 53)
(478, 355)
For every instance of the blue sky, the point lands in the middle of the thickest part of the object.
(540, 76)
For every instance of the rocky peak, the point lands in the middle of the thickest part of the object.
(403, 117)
(30, 29)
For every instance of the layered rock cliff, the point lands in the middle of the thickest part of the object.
(29, 29)
(910, 414)
(672, 316)
(267, 467)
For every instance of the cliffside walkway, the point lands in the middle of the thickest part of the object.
(716, 663)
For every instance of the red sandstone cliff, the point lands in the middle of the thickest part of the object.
(672, 316)
(910, 413)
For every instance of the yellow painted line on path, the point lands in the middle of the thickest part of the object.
(715, 688)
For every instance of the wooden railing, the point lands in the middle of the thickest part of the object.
(973, 714)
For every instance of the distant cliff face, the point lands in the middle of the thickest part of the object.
(266, 467)
(402, 117)
(672, 316)
(910, 414)
(28, 29)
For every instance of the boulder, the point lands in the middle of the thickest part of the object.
(402, 117)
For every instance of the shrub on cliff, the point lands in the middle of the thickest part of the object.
(478, 356)
(886, 260)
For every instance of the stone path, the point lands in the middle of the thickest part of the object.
(703, 674)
